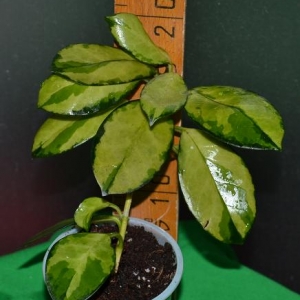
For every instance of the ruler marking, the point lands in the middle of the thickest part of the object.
(159, 17)
(158, 192)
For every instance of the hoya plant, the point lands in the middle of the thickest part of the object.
(87, 96)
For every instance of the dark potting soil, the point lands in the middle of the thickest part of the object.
(146, 268)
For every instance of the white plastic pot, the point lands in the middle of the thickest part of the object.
(162, 237)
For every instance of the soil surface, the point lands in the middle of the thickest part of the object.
(145, 270)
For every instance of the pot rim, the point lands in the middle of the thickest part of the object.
(162, 237)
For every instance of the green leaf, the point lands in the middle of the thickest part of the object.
(129, 152)
(236, 116)
(59, 134)
(131, 35)
(84, 213)
(99, 65)
(78, 264)
(81, 55)
(216, 186)
(61, 96)
(113, 72)
(163, 96)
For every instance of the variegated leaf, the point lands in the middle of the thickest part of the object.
(216, 186)
(131, 35)
(78, 265)
(111, 72)
(80, 55)
(59, 134)
(84, 213)
(61, 96)
(163, 96)
(128, 152)
(236, 116)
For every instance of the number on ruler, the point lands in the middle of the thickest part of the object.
(157, 30)
(159, 4)
(161, 179)
(160, 223)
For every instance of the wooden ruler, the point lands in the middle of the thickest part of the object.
(164, 21)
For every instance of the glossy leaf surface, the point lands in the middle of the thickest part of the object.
(99, 65)
(129, 152)
(131, 35)
(84, 213)
(80, 55)
(163, 96)
(61, 96)
(60, 134)
(236, 116)
(216, 186)
(78, 264)
(113, 72)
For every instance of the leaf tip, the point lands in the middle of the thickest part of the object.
(152, 121)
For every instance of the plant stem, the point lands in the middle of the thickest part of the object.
(124, 223)
(175, 149)
(179, 129)
(171, 68)
(127, 205)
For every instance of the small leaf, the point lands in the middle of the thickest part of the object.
(216, 186)
(131, 35)
(81, 55)
(163, 96)
(128, 152)
(78, 264)
(84, 213)
(236, 116)
(60, 134)
(61, 96)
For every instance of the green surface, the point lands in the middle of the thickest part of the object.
(126, 145)
(225, 203)
(211, 271)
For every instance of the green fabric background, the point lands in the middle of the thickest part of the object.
(211, 271)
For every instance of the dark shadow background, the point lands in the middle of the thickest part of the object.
(251, 44)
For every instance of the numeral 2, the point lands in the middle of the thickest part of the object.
(158, 29)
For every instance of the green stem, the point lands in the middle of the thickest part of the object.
(116, 208)
(179, 129)
(175, 149)
(171, 68)
(127, 205)
(124, 224)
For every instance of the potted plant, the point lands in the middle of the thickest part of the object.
(79, 262)
(87, 97)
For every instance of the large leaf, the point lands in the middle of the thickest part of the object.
(65, 97)
(163, 96)
(216, 186)
(128, 152)
(236, 116)
(59, 134)
(84, 213)
(131, 35)
(99, 65)
(78, 264)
